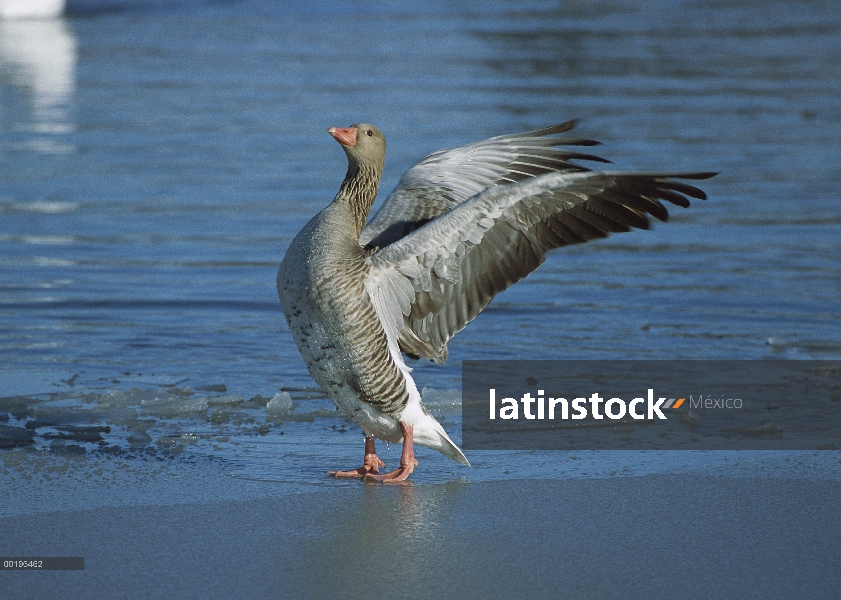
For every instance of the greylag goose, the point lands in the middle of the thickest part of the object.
(462, 225)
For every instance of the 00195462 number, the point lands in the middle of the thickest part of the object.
(23, 564)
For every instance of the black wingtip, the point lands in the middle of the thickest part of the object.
(689, 190)
(552, 130)
(703, 175)
(580, 156)
(574, 142)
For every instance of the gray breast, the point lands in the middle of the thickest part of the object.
(321, 286)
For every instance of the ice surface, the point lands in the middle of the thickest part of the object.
(134, 422)
(296, 439)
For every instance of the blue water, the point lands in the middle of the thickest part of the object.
(157, 157)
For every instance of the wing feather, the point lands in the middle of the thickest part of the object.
(446, 271)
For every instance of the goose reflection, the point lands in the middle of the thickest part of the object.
(394, 530)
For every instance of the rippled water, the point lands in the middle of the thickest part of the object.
(156, 158)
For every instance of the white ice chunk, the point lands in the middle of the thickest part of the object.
(168, 405)
(280, 406)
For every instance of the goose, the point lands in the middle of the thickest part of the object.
(462, 225)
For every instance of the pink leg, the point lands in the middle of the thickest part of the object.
(371, 464)
(407, 460)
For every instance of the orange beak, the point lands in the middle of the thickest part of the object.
(346, 136)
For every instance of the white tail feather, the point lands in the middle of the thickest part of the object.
(429, 432)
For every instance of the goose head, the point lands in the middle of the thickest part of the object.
(364, 145)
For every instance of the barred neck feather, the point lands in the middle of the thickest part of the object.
(359, 190)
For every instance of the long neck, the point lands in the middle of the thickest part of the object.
(358, 190)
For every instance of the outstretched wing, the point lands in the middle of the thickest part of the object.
(445, 179)
(430, 284)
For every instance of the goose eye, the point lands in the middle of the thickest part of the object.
(369, 133)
